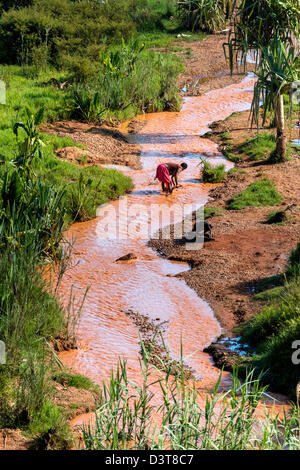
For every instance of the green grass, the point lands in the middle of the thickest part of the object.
(272, 332)
(278, 218)
(213, 212)
(232, 157)
(259, 147)
(213, 174)
(236, 171)
(75, 380)
(97, 185)
(226, 137)
(50, 429)
(261, 193)
(125, 94)
(269, 294)
(126, 420)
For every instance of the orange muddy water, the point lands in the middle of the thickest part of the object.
(105, 332)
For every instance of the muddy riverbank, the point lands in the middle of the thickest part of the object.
(246, 250)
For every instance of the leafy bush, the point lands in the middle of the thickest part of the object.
(226, 421)
(260, 193)
(46, 23)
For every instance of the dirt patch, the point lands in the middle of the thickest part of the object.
(246, 250)
(205, 66)
(74, 401)
(102, 145)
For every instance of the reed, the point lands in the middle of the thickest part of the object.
(129, 418)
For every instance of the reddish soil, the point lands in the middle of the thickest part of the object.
(102, 144)
(246, 250)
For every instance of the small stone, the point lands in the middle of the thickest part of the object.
(128, 257)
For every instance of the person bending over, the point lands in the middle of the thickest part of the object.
(167, 174)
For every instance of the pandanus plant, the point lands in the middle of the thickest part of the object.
(256, 22)
(277, 72)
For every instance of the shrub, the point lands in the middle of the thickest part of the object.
(274, 329)
(46, 24)
(260, 193)
(86, 105)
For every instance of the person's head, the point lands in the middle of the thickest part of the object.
(183, 166)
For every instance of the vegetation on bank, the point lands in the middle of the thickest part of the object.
(128, 418)
(260, 146)
(212, 173)
(272, 333)
(36, 203)
(260, 193)
(100, 66)
(56, 69)
(101, 61)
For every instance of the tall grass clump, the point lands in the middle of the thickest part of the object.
(260, 193)
(124, 87)
(128, 418)
(204, 15)
(212, 173)
(273, 331)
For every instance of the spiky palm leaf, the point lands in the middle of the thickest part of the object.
(278, 70)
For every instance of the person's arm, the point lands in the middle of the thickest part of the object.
(175, 178)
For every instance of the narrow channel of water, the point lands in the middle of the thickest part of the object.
(105, 332)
